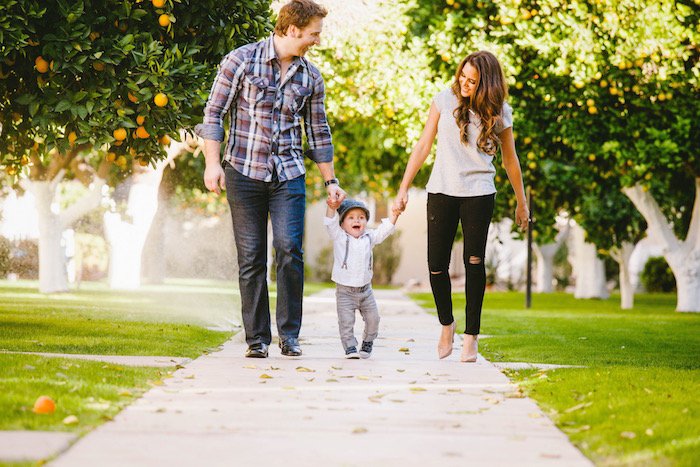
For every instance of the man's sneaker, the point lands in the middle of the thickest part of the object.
(366, 349)
(351, 352)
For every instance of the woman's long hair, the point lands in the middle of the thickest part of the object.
(487, 100)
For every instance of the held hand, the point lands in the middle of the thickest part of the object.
(400, 202)
(522, 216)
(336, 195)
(214, 178)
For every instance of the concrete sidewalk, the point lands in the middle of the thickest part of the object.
(402, 406)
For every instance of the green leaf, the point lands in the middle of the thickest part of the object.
(33, 108)
(63, 105)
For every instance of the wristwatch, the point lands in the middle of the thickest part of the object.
(332, 181)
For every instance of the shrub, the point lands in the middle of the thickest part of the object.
(5, 247)
(657, 276)
(387, 256)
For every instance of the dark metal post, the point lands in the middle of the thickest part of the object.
(528, 289)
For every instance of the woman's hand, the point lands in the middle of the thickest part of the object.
(522, 216)
(400, 202)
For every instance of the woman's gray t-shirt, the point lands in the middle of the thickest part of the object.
(460, 169)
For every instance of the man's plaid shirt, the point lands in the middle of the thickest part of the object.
(266, 116)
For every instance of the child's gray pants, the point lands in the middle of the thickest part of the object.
(348, 300)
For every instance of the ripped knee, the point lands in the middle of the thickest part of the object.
(475, 260)
(436, 272)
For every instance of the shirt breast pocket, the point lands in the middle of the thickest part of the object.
(254, 93)
(300, 95)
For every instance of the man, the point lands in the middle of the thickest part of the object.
(270, 88)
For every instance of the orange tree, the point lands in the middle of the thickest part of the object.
(110, 76)
(605, 93)
(92, 84)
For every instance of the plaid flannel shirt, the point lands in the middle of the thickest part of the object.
(265, 131)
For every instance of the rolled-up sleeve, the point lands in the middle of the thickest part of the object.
(318, 133)
(223, 92)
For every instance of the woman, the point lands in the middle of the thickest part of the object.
(471, 121)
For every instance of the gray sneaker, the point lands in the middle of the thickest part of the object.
(351, 352)
(366, 349)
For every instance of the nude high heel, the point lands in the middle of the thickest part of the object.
(446, 349)
(470, 348)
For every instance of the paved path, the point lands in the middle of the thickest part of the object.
(400, 407)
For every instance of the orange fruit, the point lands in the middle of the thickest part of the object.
(164, 20)
(158, 3)
(121, 161)
(24, 160)
(142, 133)
(44, 405)
(132, 98)
(42, 66)
(111, 157)
(11, 170)
(140, 119)
(98, 66)
(143, 162)
(165, 140)
(119, 134)
(161, 100)
(72, 137)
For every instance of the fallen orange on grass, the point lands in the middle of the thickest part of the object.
(44, 405)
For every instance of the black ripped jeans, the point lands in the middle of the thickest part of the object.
(444, 214)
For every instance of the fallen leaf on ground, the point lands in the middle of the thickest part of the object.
(397, 400)
(70, 420)
(310, 379)
(189, 377)
(363, 378)
(417, 389)
(302, 369)
(331, 380)
(404, 349)
(289, 388)
(582, 405)
(252, 367)
(358, 431)
(400, 370)
(265, 376)
(337, 367)
(274, 368)
(125, 394)
(179, 367)
(454, 390)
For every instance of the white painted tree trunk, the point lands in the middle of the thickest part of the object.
(128, 237)
(544, 274)
(588, 268)
(682, 256)
(52, 259)
(622, 255)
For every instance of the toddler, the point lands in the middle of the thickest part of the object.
(352, 271)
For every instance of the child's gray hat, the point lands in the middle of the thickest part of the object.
(349, 204)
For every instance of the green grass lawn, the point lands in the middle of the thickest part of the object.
(161, 320)
(635, 402)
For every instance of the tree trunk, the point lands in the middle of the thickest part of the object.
(52, 259)
(588, 268)
(544, 275)
(127, 238)
(682, 256)
(622, 255)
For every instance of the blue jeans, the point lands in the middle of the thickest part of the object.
(251, 201)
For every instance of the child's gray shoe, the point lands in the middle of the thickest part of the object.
(366, 349)
(351, 352)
